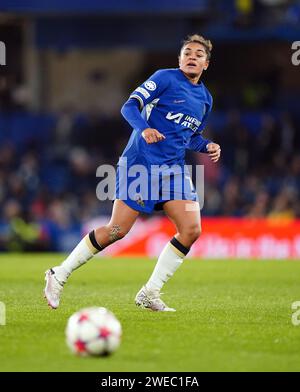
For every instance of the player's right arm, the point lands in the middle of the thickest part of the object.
(132, 115)
(152, 135)
(142, 96)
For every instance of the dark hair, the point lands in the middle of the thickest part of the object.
(201, 40)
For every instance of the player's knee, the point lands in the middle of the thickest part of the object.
(192, 232)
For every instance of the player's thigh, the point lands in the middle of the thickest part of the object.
(123, 216)
(185, 214)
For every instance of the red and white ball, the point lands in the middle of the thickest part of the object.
(93, 331)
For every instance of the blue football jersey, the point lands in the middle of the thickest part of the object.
(177, 108)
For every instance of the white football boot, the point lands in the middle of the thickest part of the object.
(150, 299)
(53, 288)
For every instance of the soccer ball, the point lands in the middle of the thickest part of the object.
(93, 331)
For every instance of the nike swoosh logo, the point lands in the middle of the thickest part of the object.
(179, 100)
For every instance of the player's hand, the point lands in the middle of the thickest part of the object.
(152, 135)
(214, 151)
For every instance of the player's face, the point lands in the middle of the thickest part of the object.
(193, 59)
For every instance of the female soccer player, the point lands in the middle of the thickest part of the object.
(168, 114)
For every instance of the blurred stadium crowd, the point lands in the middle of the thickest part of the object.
(48, 160)
(48, 171)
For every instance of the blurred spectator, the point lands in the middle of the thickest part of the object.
(16, 233)
(260, 206)
(282, 207)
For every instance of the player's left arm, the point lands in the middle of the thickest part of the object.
(199, 144)
(214, 151)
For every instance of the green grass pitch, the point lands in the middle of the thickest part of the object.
(231, 316)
